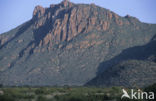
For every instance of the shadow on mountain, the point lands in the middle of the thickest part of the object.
(110, 72)
(134, 53)
(20, 31)
(41, 32)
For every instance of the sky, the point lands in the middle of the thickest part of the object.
(15, 12)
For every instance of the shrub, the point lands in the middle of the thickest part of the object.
(151, 88)
(41, 91)
(6, 98)
(42, 98)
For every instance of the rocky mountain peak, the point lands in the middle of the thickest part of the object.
(64, 21)
(38, 11)
(66, 3)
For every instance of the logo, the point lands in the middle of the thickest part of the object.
(125, 94)
(137, 94)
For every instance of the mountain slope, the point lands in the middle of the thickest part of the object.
(65, 43)
(135, 67)
(130, 73)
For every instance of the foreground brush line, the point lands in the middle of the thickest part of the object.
(67, 93)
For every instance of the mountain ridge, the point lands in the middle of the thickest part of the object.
(65, 43)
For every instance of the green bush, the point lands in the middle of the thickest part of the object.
(151, 88)
(41, 91)
(42, 98)
(6, 98)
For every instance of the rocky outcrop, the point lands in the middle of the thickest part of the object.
(66, 3)
(38, 11)
(64, 21)
(3, 40)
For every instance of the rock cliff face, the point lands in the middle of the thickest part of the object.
(66, 44)
(64, 21)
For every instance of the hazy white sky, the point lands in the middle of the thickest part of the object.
(16, 12)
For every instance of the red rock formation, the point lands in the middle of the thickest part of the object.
(118, 21)
(39, 11)
(3, 40)
(66, 21)
(47, 39)
(66, 3)
(105, 25)
(131, 20)
(109, 15)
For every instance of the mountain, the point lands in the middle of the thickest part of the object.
(136, 67)
(69, 44)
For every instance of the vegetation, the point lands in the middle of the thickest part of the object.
(65, 94)
(151, 88)
(130, 73)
